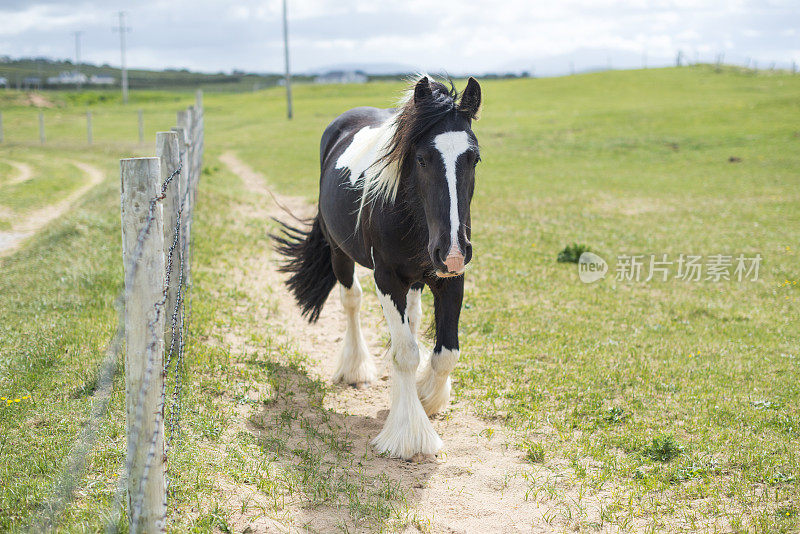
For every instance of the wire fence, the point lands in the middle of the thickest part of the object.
(157, 204)
(72, 128)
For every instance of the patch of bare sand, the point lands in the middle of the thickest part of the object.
(24, 228)
(39, 101)
(24, 173)
(479, 483)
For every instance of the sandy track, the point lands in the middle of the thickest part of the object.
(479, 480)
(35, 221)
(25, 173)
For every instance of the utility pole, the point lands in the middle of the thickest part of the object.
(288, 78)
(78, 58)
(122, 30)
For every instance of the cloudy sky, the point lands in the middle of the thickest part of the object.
(472, 36)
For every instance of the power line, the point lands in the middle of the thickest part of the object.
(288, 78)
(122, 31)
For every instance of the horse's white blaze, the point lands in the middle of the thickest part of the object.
(355, 363)
(433, 384)
(407, 430)
(451, 145)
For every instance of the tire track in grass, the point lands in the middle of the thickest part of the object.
(481, 479)
(27, 226)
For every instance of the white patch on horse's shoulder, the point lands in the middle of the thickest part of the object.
(361, 153)
(451, 145)
(368, 145)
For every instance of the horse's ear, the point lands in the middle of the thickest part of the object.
(470, 103)
(422, 90)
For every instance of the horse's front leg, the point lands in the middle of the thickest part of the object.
(434, 383)
(407, 430)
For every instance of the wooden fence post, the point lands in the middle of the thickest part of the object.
(194, 175)
(141, 127)
(182, 186)
(169, 155)
(89, 127)
(41, 127)
(185, 123)
(145, 344)
(200, 140)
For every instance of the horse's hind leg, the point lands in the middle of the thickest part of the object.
(433, 385)
(407, 430)
(355, 363)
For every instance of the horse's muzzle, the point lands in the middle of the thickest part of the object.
(454, 263)
(455, 260)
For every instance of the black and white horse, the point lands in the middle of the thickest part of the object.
(395, 192)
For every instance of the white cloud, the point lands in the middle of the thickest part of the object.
(468, 36)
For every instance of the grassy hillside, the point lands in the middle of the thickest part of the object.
(676, 402)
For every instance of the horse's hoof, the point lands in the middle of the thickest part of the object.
(421, 458)
(408, 435)
(360, 375)
(433, 391)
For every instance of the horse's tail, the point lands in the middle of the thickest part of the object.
(308, 261)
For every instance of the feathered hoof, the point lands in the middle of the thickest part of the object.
(356, 369)
(433, 391)
(408, 437)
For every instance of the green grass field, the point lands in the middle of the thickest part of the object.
(678, 401)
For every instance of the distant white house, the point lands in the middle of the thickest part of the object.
(31, 82)
(102, 79)
(68, 78)
(342, 76)
(3, 82)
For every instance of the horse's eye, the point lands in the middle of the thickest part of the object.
(477, 160)
(421, 161)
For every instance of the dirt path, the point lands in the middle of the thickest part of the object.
(25, 173)
(479, 480)
(35, 221)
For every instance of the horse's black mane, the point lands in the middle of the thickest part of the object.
(414, 120)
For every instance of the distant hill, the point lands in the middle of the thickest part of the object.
(371, 69)
(16, 71)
